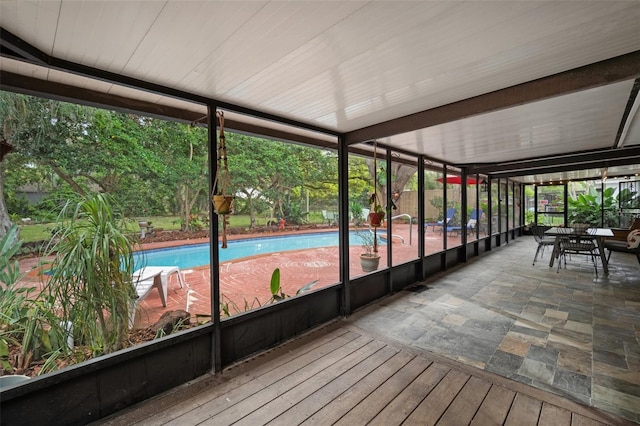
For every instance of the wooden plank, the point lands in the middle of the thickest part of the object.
(464, 407)
(378, 388)
(524, 411)
(553, 415)
(400, 408)
(310, 347)
(436, 403)
(292, 373)
(579, 420)
(287, 396)
(495, 407)
(323, 396)
(341, 405)
(368, 408)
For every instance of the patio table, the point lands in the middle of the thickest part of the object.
(595, 233)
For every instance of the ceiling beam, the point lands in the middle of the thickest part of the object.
(630, 112)
(560, 163)
(13, 46)
(620, 68)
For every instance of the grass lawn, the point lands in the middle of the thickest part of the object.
(42, 231)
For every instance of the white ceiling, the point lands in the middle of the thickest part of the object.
(347, 65)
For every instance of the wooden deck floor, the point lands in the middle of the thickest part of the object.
(343, 375)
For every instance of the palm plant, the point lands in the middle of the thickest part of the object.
(92, 272)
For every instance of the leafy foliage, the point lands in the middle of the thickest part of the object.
(587, 208)
(27, 320)
(367, 237)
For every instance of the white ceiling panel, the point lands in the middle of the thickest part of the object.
(572, 123)
(35, 21)
(345, 66)
(101, 34)
(184, 38)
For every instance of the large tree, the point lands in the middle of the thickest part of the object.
(401, 174)
(149, 165)
(181, 152)
(277, 173)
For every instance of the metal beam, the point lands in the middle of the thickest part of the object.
(67, 93)
(620, 68)
(32, 55)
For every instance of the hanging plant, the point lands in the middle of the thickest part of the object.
(377, 214)
(222, 197)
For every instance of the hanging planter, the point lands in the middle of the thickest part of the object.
(222, 204)
(222, 199)
(377, 214)
(375, 219)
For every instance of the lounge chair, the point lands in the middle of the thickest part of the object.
(150, 277)
(471, 224)
(145, 279)
(451, 212)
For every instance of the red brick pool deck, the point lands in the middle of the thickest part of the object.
(246, 281)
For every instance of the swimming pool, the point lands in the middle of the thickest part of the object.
(199, 254)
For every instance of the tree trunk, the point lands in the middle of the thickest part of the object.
(5, 220)
(401, 173)
(252, 213)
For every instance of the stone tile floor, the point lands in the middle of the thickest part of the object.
(566, 332)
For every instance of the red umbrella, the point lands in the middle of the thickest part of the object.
(457, 180)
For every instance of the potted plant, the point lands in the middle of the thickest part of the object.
(221, 198)
(370, 259)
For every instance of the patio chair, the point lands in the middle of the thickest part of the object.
(620, 234)
(541, 239)
(570, 243)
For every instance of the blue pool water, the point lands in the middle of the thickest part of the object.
(198, 254)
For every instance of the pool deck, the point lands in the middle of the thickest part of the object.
(246, 282)
(566, 332)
